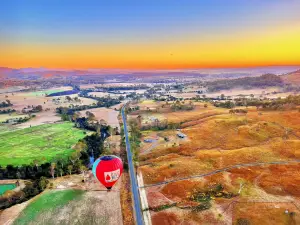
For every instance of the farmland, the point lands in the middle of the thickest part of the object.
(42, 143)
(216, 139)
(47, 92)
(72, 202)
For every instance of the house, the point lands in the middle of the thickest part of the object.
(181, 135)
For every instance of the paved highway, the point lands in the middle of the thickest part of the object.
(222, 170)
(134, 186)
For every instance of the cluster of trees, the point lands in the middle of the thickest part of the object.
(227, 104)
(132, 109)
(7, 111)
(160, 125)
(30, 190)
(5, 103)
(179, 106)
(133, 96)
(163, 98)
(101, 101)
(70, 111)
(266, 80)
(33, 109)
(88, 123)
(135, 136)
(242, 111)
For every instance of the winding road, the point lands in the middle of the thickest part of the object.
(222, 170)
(133, 180)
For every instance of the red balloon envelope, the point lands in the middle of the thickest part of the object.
(108, 170)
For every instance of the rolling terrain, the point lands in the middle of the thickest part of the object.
(215, 139)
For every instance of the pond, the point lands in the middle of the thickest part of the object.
(6, 187)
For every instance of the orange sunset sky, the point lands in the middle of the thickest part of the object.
(153, 35)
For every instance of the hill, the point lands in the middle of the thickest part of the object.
(292, 78)
(266, 80)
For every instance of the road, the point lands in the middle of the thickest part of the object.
(222, 170)
(134, 186)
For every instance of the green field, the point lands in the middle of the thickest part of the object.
(49, 202)
(45, 92)
(42, 143)
(6, 187)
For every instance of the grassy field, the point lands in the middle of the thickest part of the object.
(42, 143)
(48, 92)
(51, 201)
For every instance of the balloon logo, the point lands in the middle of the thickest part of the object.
(108, 169)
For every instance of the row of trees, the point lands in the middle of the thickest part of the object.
(7, 111)
(5, 103)
(135, 136)
(290, 102)
(18, 120)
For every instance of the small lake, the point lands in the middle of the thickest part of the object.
(6, 187)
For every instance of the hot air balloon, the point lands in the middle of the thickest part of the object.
(107, 169)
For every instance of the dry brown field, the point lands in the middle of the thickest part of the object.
(215, 140)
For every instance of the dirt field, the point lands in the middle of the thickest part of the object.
(21, 100)
(24, 99)
(107, 114)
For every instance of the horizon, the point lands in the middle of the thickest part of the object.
(153, 36)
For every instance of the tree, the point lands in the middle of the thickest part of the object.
(42, 183)
(36, 163)
(52, 169)
(103, 122)
(70, 168)
(242, 221)
(60, 171)
(75, 156)
(39, 108)
(83, 169)
(90, 116)
(76, 116)
(68, 98)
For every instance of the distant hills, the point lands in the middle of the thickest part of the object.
(152, 75)
(292, 78)
(266, 80)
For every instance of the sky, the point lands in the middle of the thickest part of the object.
(149, 34)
